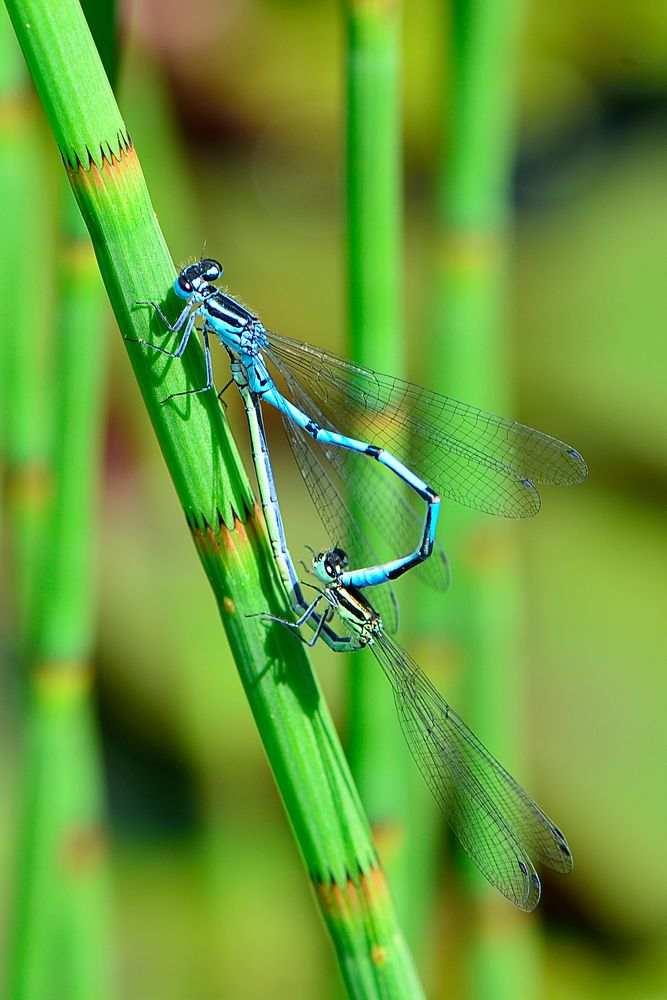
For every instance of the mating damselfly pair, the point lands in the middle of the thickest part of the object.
(337, 416)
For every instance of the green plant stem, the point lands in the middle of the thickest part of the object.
(61, 913)
(374, 281)
(374, 185)
(61, 919)
(469, 346)
(291, 715)
(26, 231)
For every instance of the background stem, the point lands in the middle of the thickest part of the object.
(61, 913)
(374, 286)
(469, 344)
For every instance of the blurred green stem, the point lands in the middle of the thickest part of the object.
(61, 914)
(292, 718)
(60, 925)
(374, 186)
(24, 338)
(374, 282)
(470, 347)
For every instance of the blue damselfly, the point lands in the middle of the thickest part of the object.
(500, 827)
(450, 448)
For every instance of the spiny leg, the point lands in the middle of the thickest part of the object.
(174, 328)
(178, 353)
(209, 371)
(307, 614)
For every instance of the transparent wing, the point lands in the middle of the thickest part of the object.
(395, 520)
(498, 824)
(466, 454)
(338, 522)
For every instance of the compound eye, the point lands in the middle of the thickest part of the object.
(185, 285)
(211, 270)
(333, 564)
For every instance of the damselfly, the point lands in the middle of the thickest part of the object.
(500, 827)
(450, 448)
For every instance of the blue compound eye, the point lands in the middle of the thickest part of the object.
(183, 286)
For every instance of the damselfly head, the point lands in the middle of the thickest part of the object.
(194, 278)
(328, 566)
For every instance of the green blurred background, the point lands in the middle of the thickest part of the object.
(236, 113)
